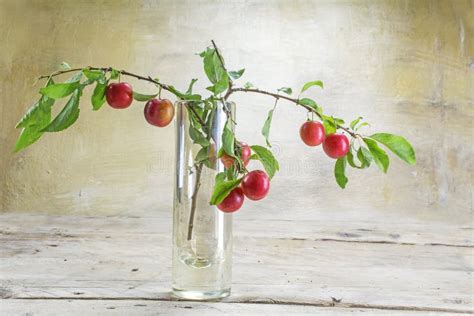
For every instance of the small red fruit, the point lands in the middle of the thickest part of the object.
(245, 154)
(336, 145)
(256, 185)
(159, 112)
(119, 95)
(312, 133)
(233, 201)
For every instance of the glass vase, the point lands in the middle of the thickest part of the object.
(202, 234)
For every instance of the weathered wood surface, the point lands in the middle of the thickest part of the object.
(93, 264)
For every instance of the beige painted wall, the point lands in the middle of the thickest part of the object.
(406, 66)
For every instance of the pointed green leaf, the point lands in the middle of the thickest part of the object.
(202, 154)
(59, 90)
(378, 154)
(35, 119)
(248, 85)
(143, 97)
(222, 190)
(228, 140)
(350, 160)
(67, 116)
(329, 125)
(267, 159)
(93, 74)
(198, 137)
(311, 84)
(339, 172)
(98, 96)
(236, 74)
(266, 127)
(64, 66)
(213, 68)
(177, 93)
(114, 74)
(361, 125)
(355, 122)
(190, 87)
(312, 104)
(36, 111)
(398, 145)
(364, 156)
(286, 90)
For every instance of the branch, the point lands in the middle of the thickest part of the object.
(109, 69)
(293, 100)
(231, 83)
(197, 185)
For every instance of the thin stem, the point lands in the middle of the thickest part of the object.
(194, 200)
(293, 100)
(199, 118)
(108, 69)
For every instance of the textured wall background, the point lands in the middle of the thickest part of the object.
(406, 66)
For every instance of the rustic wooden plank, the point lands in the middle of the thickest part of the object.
(149, 307)
(321, 225)
(72, 257)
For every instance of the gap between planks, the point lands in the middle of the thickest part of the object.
(268, 301)
(380, 242)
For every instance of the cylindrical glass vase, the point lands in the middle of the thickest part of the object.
(202, 234)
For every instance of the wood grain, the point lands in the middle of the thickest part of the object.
(123, 258)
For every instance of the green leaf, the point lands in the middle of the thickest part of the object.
(67, 116)
(329, 125)
(267, 159)
(36, 110)
(236, 74)
(312, 104)
(198, 137)
(192, 97)
(398, 145)
(143, 97)
(59, 90)
(355, 122)
(228, 140)
(248, 85)
(219, 86)
(93, 74)
(339, 172)
(214, 69)
(114, 74)
(266, 127)
(350, 159)
(364, 156)
(361, 125)
(311, 84)
(378, 154)
(222, 189)
(202, 154)
(98, 96)
(177, 93)
(286, 90)
(64, 66)
(35, 119)
(190, 87)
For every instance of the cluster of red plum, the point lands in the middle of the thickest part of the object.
(255, 184)
(158, 112)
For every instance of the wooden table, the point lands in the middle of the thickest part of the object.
(69, 265)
